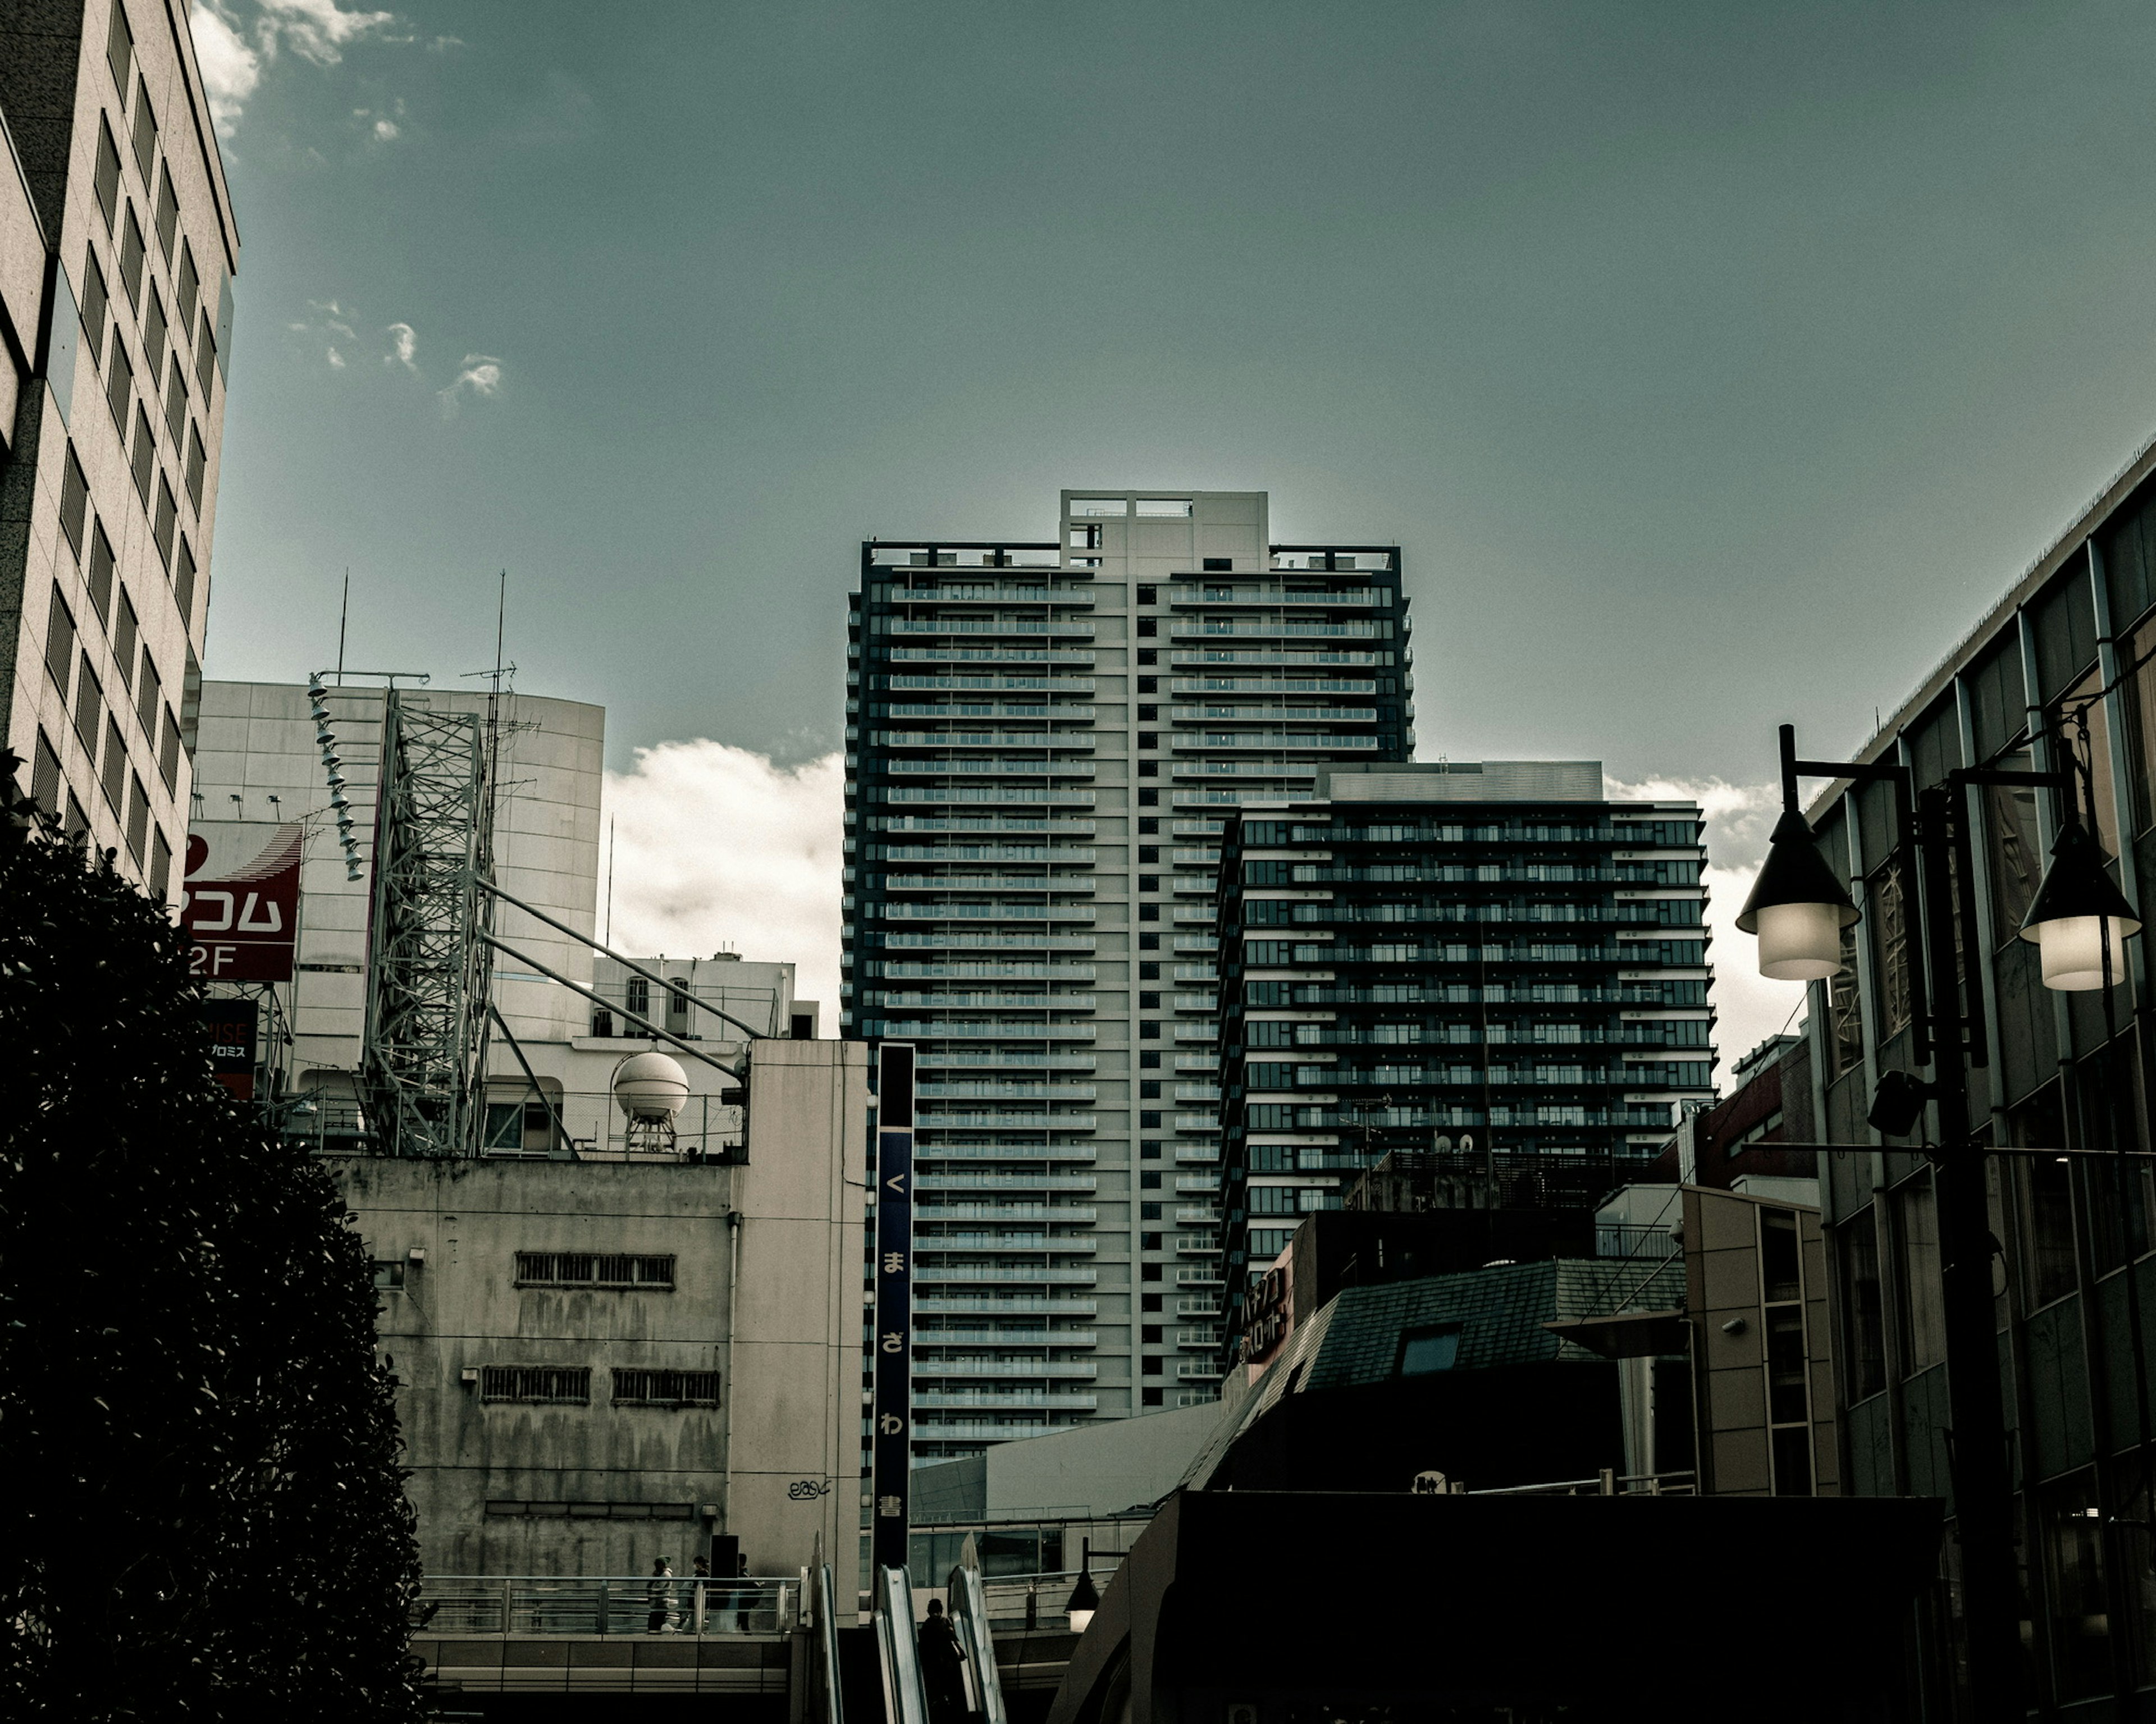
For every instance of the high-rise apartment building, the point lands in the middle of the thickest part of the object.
(1482, 962)
(117, 248)
(1043, 740)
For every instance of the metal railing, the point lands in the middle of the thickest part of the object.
(1037, 1601)
(608, 1604)
(969, 1617)
(898, 1653)
(824, 1673)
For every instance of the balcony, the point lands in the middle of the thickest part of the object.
(961, 708)
(1206, 1032)
(926, 1182)
(1208, 1339)
(1024, 911)
(1063, 1275)
(980, 1304)
(1080, 740)
(990, 1398)
(1197, 1245)
(1051, 1213)
(1235, 714)
(988, 883)
(979, 592)
(1047, 1120)
(1197, 1215)
(1198, 1307)
(1056, 797)
(1211, 593)
(927, 1152)
(1189, 913)
(921, 1029)
(1194, 1002)
(1201, 1275)
(1209, 858)
(1270, 685)
(994, 626)
(1005, 1338)
(1018, 939)
(1191, 1371)
(1254, 627)
(934, 1368)
(986, 1089)
(1197, 1062)
(1324, 741)
(1301, 770)
(1003, 765)
(980, 1059)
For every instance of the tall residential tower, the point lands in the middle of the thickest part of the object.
(1042, 740)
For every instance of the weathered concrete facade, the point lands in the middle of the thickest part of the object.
(602, 1362)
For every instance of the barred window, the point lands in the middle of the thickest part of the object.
(666, 1388)
(588, 1269)
(559, 1385)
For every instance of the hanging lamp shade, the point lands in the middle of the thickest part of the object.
(1798, 908)
(2078, 911)
(1085, 1596)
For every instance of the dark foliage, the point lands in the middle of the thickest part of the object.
(204, 1515)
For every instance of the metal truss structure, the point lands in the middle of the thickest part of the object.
(422, 1070)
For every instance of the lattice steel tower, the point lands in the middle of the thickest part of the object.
(428, 970)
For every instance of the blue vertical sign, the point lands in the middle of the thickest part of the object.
(891, 1409)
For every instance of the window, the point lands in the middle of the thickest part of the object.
(666, 1388)
(59, 642)
(1890, 950)
(1098, 505)
(120, 48)
(125, 635)
(168, 520)
(176, 402)
(108, 174)
(1148, 625)
(89, 705)
(594, 1269)
(1164, 508)
(168, 212)
(132, 251)
(154, 337)
(1148, 1212)
(78, 820)
(205, 357)
(1217, 565)
(190, 287)
(45, 777)
(75, 499)
(1922, 1322)
(114, 781)
(96, 301)
(146, 133)
(1150, 1397)
(1426, 1352)
(145, 454)
(680, 1003)
(1148, 595)
(557, 1385)
(197, 467)
(168, 753)
(1085, 538)
(138, 818)
(118, 382)
(389, 1275)
(637, 997)
(161, 864)
(2071, 1517)
(1778, 1271)
(602, 1021)
(183, 584)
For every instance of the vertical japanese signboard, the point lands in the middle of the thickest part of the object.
(892, 1409)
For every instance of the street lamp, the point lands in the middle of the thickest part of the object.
(1798, 907)
(1085, 1596)
(2079, 921)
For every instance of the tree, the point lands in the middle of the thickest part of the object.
(204, 1515)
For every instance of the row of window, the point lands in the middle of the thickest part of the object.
(571, 1386)
(597, 1270)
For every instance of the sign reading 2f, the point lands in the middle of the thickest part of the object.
(891, 1411)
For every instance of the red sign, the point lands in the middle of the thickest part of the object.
(242, 903)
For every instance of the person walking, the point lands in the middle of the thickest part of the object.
(699, 1598)
(942, 1667)
(658, 1596)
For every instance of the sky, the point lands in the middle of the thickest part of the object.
(1714, 365)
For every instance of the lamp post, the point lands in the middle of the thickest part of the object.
(2079, 921)
(1085, 1596)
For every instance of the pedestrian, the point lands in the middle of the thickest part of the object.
(942, 1672)
(700, 1573)
(659, 1595)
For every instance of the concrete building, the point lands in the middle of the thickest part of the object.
(604, 1353)
(599, 1362)
(117, 250)
(1043, 740)
(1489, 959)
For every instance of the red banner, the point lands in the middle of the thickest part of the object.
(242, 903)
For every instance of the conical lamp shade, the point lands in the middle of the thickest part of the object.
(1798, 908)
(2078, 912)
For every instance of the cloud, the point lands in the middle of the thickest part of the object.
(480, 373)
(315, 30)
(408, 343)
(230, 68)
(337, 360)
(1739, 819)
(716, 847)
(385, 128)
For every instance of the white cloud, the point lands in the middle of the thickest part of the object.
(230, 68)
(716, 847)
(1739, 819)
(315, 30)
(408, 343)
(385, 129)
(337, 360)
(479, 373)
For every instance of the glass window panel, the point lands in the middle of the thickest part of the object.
(2071, 1519)
(1863, 1309)
(1921, 1317)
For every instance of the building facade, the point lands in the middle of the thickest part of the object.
(1490, 960)
(2061, 673)
(1044, 740)
(117, 248)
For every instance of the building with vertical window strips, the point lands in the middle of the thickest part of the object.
(117, 248)
(1045, 741)
(2059, 675)
(1489, 961)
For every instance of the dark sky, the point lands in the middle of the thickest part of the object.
(1715, 364)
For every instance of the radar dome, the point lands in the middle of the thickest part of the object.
(650, 1086)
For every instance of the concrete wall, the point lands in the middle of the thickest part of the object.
(766, 1292)
(1097, 1469)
